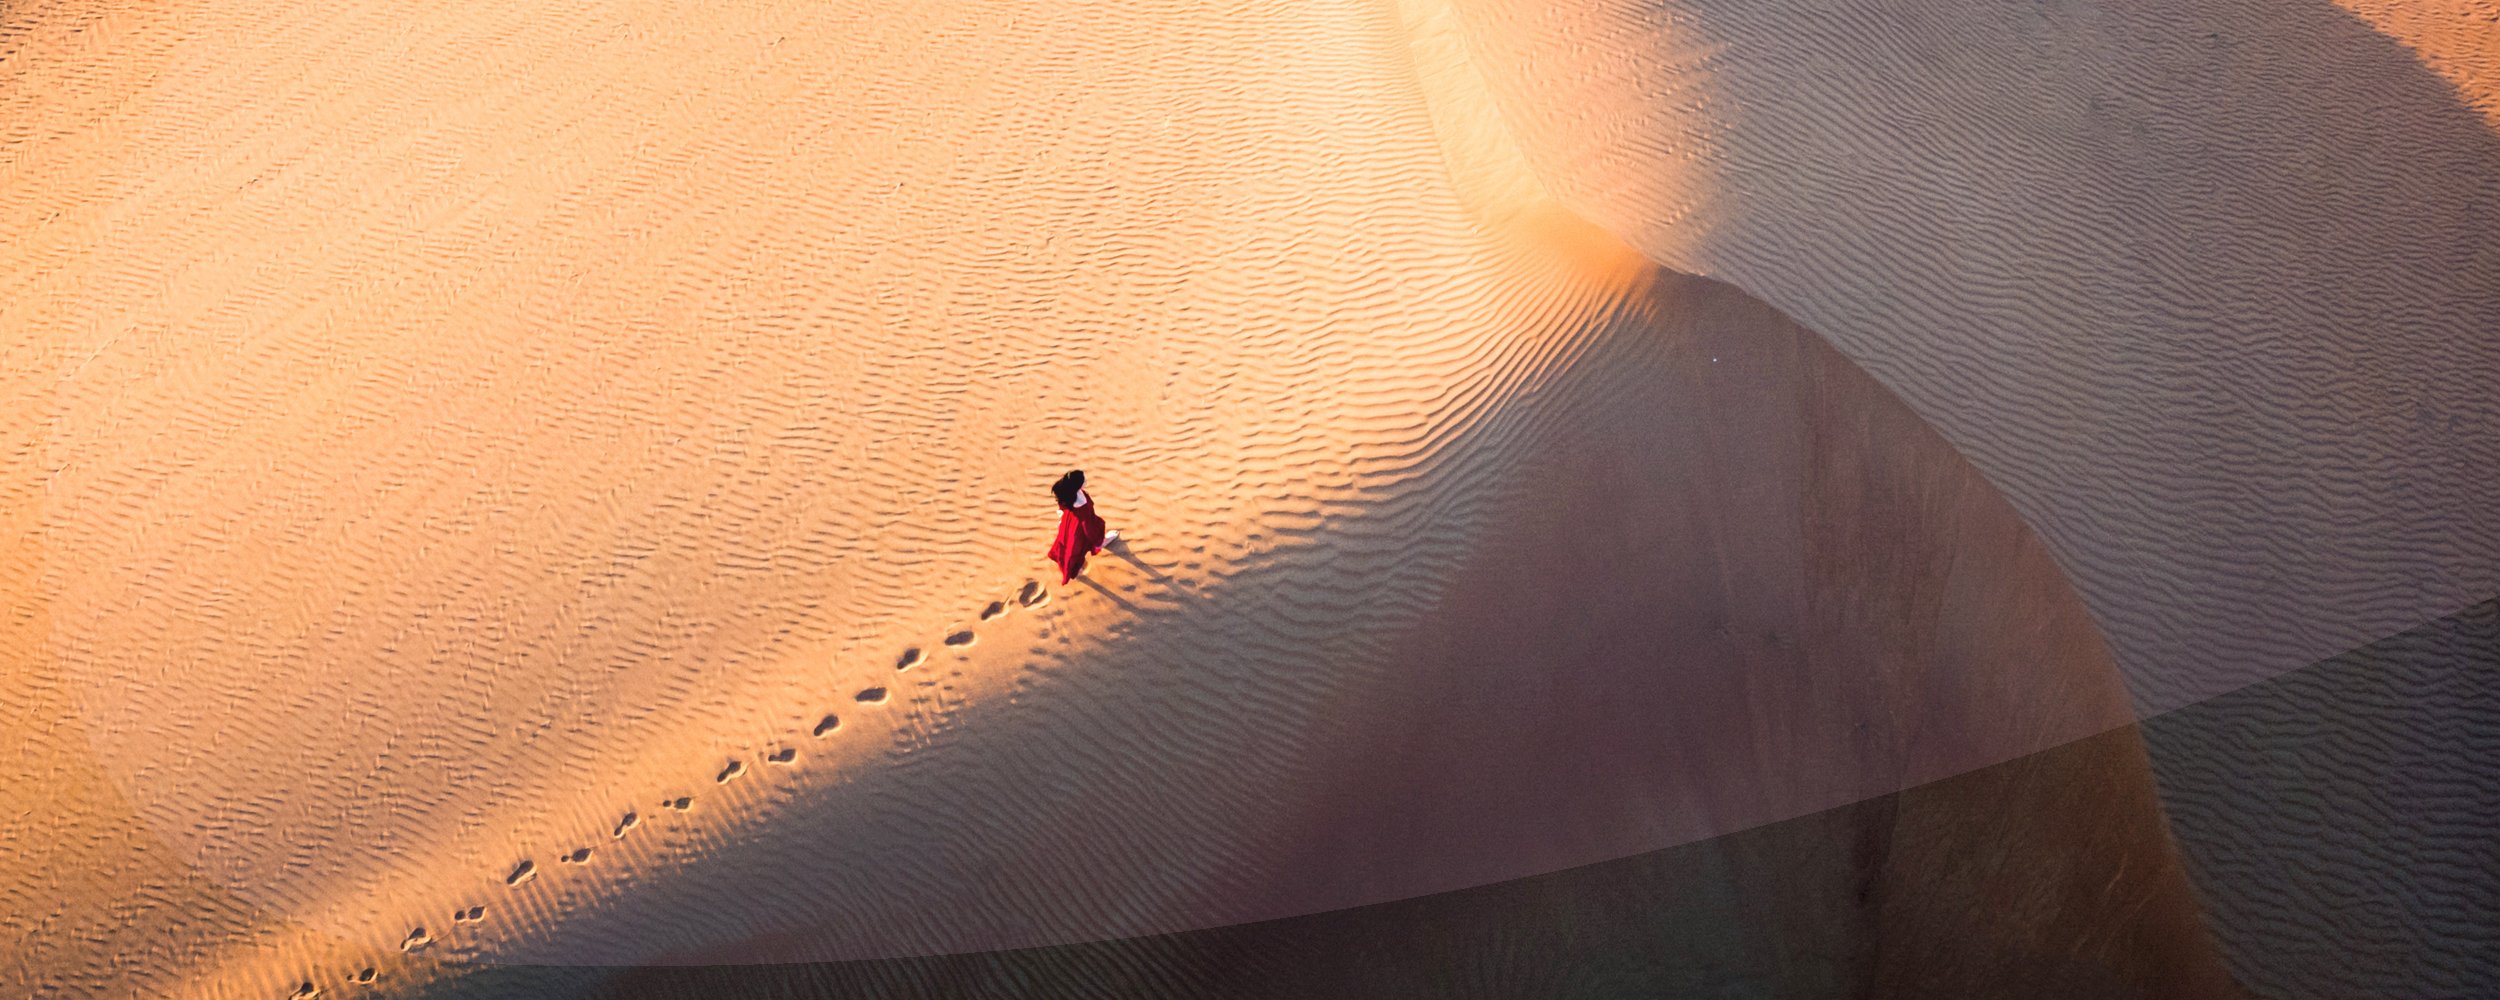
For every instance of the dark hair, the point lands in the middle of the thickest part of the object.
(1065, 489)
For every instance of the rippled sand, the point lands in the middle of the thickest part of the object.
(505, 486)
(2207, 288)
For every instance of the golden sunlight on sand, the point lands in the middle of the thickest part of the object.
(2458, 39)
(489, 484)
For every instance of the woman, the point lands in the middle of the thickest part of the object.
(1080, 529)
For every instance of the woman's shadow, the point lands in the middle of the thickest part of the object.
(1166, 585)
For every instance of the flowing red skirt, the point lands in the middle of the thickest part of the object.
(1080, 535)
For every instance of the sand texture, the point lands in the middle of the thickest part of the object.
(2453, 38)
(2339, 818)
(2209, 288)
(1837, 903)
(492, 488)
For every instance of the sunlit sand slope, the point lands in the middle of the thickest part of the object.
(2457, 39)
(515, 486)
(2208, 288)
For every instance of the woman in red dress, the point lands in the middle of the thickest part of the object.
(1081, 530)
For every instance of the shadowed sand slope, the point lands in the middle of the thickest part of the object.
(2340, 818)
(1819, 906)
(566, 488)
(2208, 288)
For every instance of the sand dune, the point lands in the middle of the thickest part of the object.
(2338, 818)
(510, 487)
(2207, 288)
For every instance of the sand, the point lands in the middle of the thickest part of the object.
(2207, 288)
(2338, 819)
(503, 486)
(2453, 38)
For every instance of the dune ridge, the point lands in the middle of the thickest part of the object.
(2206, 288)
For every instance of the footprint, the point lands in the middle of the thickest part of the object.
(1033, 595)
(681, 803)
(579, 856)
(306, 990)
(963, 638)
(783, 755)
(872, 696)
(365, 975)
(522, 872)
(995, 609)
(828, 724)
(469, 916)
(910, 659)
(416, 939)
(622, 825)
(735, 768)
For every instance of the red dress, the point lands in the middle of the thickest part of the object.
(1080, 535)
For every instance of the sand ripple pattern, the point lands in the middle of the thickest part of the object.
(2208, 288)
(2339, 819)
(450, 429)
(494, 468)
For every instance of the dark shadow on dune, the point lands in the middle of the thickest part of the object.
(2343, 821)
(2208, 288)
(2211, 290)
(1791, 909)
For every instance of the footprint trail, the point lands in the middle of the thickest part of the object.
(522, 874)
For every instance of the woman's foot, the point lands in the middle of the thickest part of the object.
(1109, 538)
